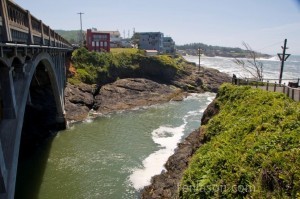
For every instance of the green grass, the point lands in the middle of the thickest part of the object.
(102, 68)
(253, 148)
(124, 50)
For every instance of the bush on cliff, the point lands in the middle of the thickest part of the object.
(102, 68)
(252, 148)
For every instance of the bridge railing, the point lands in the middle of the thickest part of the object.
(19, 26)
(292, 90)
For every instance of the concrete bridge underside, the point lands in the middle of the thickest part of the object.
(32, 88)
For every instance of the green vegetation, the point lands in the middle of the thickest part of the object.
(70, 35)
(210, 50)
(125, 50)
(102, 68)
(252, 148)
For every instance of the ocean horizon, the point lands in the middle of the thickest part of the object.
(271, 66)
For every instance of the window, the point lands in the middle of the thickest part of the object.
(98, 37)
(105, 44)
(93, 43)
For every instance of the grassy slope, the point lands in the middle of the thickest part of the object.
(70, 35)
(102, 68)
(124, 50)
(253, 148)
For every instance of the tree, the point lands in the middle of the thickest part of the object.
(135, 39)
(251, 65)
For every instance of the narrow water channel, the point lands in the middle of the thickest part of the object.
(112, 156)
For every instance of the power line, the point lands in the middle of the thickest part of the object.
(271, 45)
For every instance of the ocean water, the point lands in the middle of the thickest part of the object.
(111, 157)
(271, 66)
(115, 156)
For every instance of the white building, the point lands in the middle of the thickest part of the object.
(151, 41)
(169, 45)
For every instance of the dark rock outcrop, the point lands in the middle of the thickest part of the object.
(207, 79)
(123, 94)
(212, 79)
(129, 93)
(134, 92)
(78, 101)
(210, 111)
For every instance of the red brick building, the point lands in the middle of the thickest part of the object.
(97, 41)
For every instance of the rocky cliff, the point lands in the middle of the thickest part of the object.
(123, 94)
(129, 93)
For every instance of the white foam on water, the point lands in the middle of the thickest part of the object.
(271, 66)
(88, 120)
(167, 138)
(274, 58)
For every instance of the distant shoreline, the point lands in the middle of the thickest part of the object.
(229, 56)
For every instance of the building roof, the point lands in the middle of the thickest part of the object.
(148, 33)
(112, 33)
(151, 51)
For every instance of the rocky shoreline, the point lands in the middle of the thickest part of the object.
(129, 93)
(166, 185)
(124, 94)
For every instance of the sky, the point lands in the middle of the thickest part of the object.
(263, 24)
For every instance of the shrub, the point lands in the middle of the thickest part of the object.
(102, 68)
(252, 149)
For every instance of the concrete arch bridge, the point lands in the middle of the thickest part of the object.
(32, 82)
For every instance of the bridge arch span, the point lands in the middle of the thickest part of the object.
(34, 85)
(44, 60)
(32, 68)
(4, 63)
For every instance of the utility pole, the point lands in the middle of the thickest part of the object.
(283, 57)
(81, 32)
(199, 53)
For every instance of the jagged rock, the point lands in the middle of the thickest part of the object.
(128, 93)
(213, 79)
(78, 101)
(134, 92)
(207, 79)
(209, 112)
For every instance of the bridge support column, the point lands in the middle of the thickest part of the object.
(5, 21)
(8, 93)
(3, 172)
(61, 122)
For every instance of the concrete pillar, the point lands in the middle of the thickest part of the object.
(5, 22)
(3, 172)
(30, 35)
(8, 93)
(42, 33)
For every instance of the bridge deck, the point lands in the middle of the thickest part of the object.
(19, 26)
